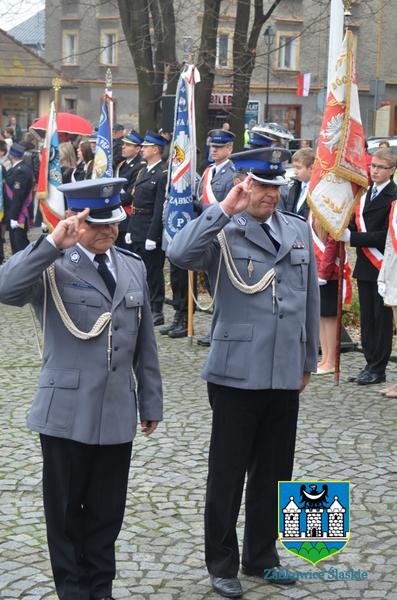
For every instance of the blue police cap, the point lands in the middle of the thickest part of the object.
(17, 150)
(264, 164)
(220, 137)
(259, 140)
(152, 138)
(101, 196)
(93, 137)
(133, 138)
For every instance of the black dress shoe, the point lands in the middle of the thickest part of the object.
(369, 378)
(205, 341)
(158, 318)
(180, 331)
(355, 378)
(167, 328)
(228, 587)
(278, 575)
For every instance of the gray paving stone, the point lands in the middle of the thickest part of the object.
(344, 432)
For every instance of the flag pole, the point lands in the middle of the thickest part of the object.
(342, 253)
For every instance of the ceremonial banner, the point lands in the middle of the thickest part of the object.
(339, 174)
(103, 161)
(182, 168)
(51, 200)
(303, 84)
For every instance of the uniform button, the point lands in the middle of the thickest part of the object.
(226, 335)
(82, 300)
(115, 348)
(278, 279)
(280, 316)
(116, 327)
(131, 297)
(209, 218)
(51, 382)
(280, 299)
(114, 368)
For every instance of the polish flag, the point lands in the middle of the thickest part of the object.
(303, 84)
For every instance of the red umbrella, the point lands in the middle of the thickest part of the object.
(67, 123)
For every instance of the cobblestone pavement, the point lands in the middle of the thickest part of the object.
(344, 432)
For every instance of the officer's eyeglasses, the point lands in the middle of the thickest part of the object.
(380, 167)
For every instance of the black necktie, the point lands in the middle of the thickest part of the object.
(105, 273)
(266, 229)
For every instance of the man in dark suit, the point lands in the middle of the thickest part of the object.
(293, 199)
(18, 186)
(146, 223)
(129, 168)
(367, 232)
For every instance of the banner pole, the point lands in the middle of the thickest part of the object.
(190, 331)
(342, 254)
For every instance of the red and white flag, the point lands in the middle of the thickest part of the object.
(52, 204)
(303, 84)
(339, 174)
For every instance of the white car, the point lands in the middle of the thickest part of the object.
(373, 144)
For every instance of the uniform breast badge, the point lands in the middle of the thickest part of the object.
(75, 257)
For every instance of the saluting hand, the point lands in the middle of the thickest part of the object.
(237, 199)
(68, 231)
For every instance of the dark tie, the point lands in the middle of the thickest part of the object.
(266, 229)
(105, 273)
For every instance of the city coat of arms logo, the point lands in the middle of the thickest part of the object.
(314, 520)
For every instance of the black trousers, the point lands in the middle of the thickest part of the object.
(84, 491)
(154, 263)
(18, 239)
(253, 434)
(376, 321)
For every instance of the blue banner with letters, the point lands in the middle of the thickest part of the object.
(103, 161)
(179, 208)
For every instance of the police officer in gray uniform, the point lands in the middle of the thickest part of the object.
(100, 374)
(264, 346)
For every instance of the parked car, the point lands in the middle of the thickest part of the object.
(373, 143)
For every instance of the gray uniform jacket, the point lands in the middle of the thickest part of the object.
(79, 397)
(221, 183)
(256, 345)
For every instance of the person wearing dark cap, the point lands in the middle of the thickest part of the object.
(18, 187)
(129, 168)
(117, 135)
(98, 326)
(146, 223)
(217, 180)
(265, 333)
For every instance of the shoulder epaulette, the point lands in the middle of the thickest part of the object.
(127, 252)
(291, 214)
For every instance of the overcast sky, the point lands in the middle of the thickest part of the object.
(13, 12)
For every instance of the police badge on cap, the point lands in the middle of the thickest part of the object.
(101, 196)
(264, 164)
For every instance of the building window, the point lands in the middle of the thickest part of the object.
(70, 47)
(288, 50)
(109, 48)
(223, 50)
(286, 116)
(70, 105)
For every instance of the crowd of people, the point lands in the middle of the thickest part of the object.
(275, 299)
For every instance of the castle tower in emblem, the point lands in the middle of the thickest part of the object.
(336, 515)
(291, 519)
(313, 522)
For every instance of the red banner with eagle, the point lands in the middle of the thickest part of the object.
(339, 175)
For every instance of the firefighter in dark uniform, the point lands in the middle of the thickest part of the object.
(129, 168)
(18, 186)
(146, 225)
